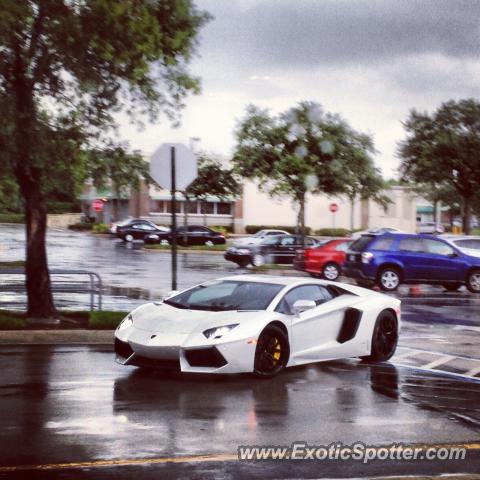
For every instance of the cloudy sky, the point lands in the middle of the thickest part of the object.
(371, 61)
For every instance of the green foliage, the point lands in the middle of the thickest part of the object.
(213, 179)
(302, 150)
(333, 232)
(11, 320)
(225, 229)
(105, 320)
(202, 248)
(100, 228)
(12, 218)
(12, 264)
(442, 150)
(251, 229)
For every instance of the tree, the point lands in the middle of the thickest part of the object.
(300, 151)
(113, 166)
(444, 149)
(66, 67)
(213, 179)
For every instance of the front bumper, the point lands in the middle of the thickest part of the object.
(178, 352)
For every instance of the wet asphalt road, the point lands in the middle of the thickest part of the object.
(74, 404)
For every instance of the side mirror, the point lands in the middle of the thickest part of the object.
(453, 255)
(303, 305)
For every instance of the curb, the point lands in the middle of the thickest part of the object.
(56, 337)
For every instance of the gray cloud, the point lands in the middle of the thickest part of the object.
(301, 33)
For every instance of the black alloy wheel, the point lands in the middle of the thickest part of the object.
(272, 352)
(384, 338)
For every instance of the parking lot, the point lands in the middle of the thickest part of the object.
(74, 413)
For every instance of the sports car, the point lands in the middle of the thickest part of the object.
(259, 324)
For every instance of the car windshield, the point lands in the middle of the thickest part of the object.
(273, 240)
(226, 295)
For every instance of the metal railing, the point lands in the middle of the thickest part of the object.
(63, 281)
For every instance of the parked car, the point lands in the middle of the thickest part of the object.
(391, 259)
(187, 236)
(430, 227)
(275, 249)
(376, 231)
(138, 229)
(324, 260)
(259, 236)
(468, 244)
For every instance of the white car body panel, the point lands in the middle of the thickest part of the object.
(164, 332)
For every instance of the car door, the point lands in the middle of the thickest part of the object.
(287, 249)
(315, 331)
(444, 262)
(196, 235)
(411, 254)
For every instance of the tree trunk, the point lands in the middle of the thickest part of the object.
(29, 177)
(466, 214)
(352, 214)
(301, 218)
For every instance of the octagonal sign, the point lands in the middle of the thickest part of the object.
(185, 166)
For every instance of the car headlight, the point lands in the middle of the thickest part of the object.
(218, 332)
(127, 322)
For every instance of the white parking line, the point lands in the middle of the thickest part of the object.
(440, 361)
(411, 353)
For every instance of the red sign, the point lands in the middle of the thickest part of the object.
(97, 205)
(333, 207)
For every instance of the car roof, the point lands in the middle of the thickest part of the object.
(265, 279)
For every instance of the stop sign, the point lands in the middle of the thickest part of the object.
(333, 207)
(186, 166)
(97, 205)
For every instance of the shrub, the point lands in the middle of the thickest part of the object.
(105, 320)
(251, 229)
(222, 228)
(333, 232)
(11, 320)
(12, 218)
(100, 228)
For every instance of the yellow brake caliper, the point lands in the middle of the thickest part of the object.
(277, 352)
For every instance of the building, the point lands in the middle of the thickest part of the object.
(257, 208)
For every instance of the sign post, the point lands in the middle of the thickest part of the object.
(165, 171)
(333, 207)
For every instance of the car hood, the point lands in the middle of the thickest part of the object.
(160, 318)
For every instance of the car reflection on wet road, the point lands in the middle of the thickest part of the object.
(74, 404)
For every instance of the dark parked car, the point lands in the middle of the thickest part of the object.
(276, 249)
(392, 259)
(324, 260)
(138, 229)
(190, 235)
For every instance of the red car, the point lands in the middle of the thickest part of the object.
(324, 261)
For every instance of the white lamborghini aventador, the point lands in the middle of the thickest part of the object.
(260, 324)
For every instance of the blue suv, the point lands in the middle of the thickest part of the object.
(394, 258)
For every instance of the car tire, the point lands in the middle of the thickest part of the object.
(272, 352)
(128, 237)
(389, 279)
(331, 271)
(242, 264)
(258, 260)
(384, 338)
(451, 287)
(473, 280)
